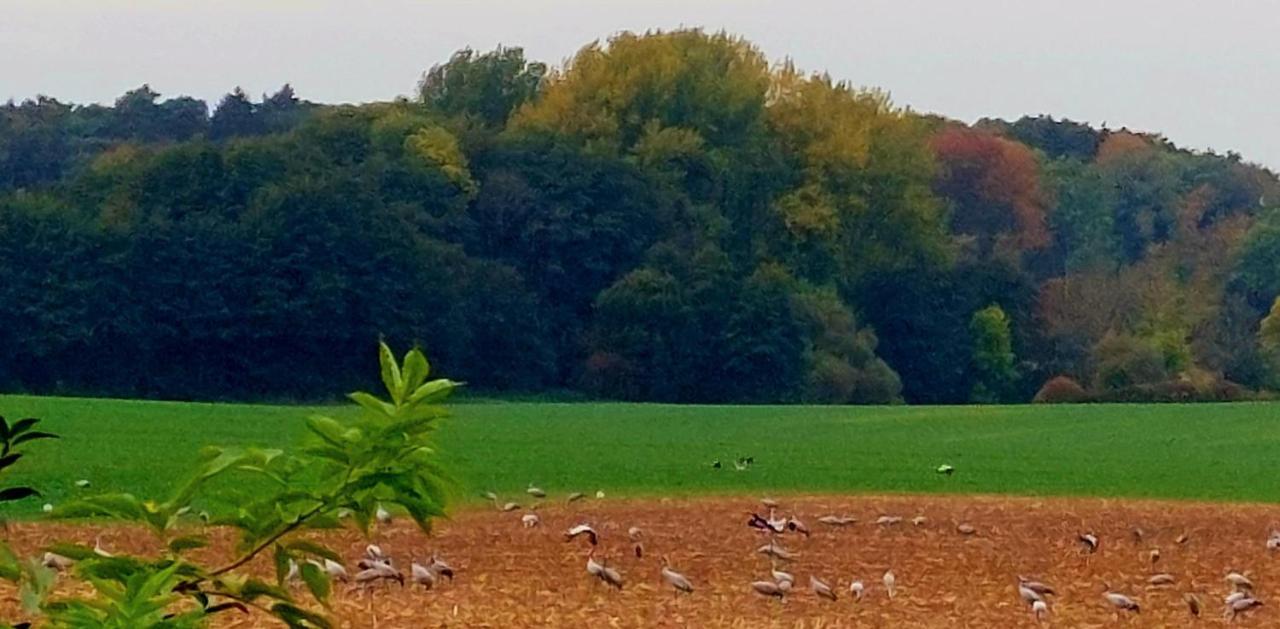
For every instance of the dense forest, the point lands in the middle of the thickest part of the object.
(669, 217)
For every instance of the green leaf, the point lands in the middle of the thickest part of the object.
(433, 391)
(391, 377)
(373, 404)
(281, 559)
(9, 459)
(328, 429)
(298, 618)
(187, 542)
(416, 370)
(120, 506)
(21, 426)
(317, 581)
(254, 588)
(32, 436)
(312, 548)
(17, 493)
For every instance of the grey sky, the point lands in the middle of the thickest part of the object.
(1206, 73)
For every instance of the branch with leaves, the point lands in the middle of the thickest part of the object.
(385, 455)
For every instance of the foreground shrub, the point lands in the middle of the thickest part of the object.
(1061, 390)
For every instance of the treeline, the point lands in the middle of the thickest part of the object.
(669, 217)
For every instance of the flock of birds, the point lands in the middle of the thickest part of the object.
(376, 566)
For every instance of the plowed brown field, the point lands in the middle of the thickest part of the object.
(509, 576)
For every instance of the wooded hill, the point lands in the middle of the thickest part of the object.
(669, 217)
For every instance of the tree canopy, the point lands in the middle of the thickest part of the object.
(668, 216)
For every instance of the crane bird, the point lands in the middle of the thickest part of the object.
(383, 516)
(856, 589)
(599, 494)
(888, 520)
(890, 580)
(535, 491)
(611, 577)
(946, 469)
(634, 533)
(1036, 587)
(1233, 597)
(594, 568)
(1273, 542)
(1157, 580)
(1089, 541)
(293, 573)
(1121, 602)
(676, 580)
(1240, 606)
(530, 520)
(582, 529)
(919, 520)
(1193, 603)
(1238, 581)
(574, 497)
(421, 575)
(491, 497)
(1028, 595)
(965, 528)
(379, 572)
(439, 567)
(781, 576)
(332, 568)
(56, 561)
(1182, 539)
(837, 520)
(773, 550)
(1138, 534)
(820, 588)
(770, 525)
(797, 526)
(510, 506)
(769, 588)
(374, 552)
(1040, 609)
(1154, 556)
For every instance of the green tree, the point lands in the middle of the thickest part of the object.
(993, 358)
(482, 87)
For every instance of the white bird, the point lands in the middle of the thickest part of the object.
(890, 580)
(374, 552)
(888, 520)
(82, 483)
(574, 497)
(582, 529)
(919, 520)
(535, 491)
(1028, 595)
(1035, 586)
(293, 572)
(594, 568)
(379, 572)
(56, 562)
(797, 526)
(530, 520)
(634, 533)
(782, 576)
(421, 575)
(492, 497)
(383, 516)
(820, 588)
(508, 507)
(439, 567)
(1273, 543)
(837, 520)
(675, 579)
(1089, 541)
(1241, 606)
(1040, 609)
(773, 550)
(600, 494)
(47, 508)
(1121, 602)
(769, 588)
(1157, 580)
(611, 577)
(1233, 597)
(1239, 581)
(856, 589)
(966, 529)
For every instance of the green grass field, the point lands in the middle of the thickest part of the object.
(1215, 452)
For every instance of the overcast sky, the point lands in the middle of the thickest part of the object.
(1206, 73)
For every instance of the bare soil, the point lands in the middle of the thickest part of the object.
(510, 576)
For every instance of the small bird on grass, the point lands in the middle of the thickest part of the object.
(946, 469)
